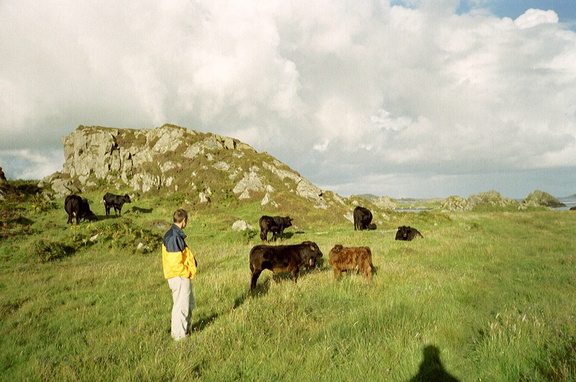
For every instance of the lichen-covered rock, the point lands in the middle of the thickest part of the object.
(541, 198)
(386, 203)
(5, 187)
(168, 138)
(241, 225)
(491, 199)
(455, 203)
(172, 159)
(3, 179)
(250, 182)
(313, 193)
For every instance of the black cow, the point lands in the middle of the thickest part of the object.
(407, 233)
(362, 218)
(77, 207)
(282, 258)
(116, 201)
(275, 225)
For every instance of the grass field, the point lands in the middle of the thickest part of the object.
(487, 296)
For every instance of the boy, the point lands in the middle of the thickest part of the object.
(179, 267)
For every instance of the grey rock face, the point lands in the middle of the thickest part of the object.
(176, 159)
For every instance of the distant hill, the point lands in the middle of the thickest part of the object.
(208, 170)
(370, 197)
(206, 167)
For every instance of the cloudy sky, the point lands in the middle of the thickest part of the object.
(414, 98)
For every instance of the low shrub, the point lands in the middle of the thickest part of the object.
(46, 251)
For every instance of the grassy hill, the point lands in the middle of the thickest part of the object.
(485, 296)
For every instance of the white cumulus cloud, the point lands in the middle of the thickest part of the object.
(355, 95)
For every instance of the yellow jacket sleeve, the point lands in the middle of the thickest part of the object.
(190, 262)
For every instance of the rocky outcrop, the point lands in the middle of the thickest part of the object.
(493, 199)
(490, 199)
(241, 225)
(175, 159)
(5, 187)
(454, 203)
(386, 203)
(541, 198)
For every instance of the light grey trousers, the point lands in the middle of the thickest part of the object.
(183, 298)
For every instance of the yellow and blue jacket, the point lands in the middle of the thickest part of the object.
(177, 258)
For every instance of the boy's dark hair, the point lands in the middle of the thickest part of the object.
(180, 215)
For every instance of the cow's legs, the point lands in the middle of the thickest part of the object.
(255, 275)
(336, 273)
(294, 275)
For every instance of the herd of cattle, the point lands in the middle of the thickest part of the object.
(276, 258)
(79, 208)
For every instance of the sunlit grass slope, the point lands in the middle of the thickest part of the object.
(483, 297)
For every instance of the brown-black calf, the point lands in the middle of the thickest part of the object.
(274, 224)
(282, 258)
(407, 233)
(362, 218)
(116, 201)
(77, 207)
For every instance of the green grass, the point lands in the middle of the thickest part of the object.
(493, 292)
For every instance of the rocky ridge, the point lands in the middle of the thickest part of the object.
(494, 199)
(171, 159)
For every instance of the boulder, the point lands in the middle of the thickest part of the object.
(250, 182)
(241, 225)
(386, 203)
(455, 203)
(171, 159)
(541, 198)
(5, 187)
(491, 199)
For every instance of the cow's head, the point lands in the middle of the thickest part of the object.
(312, 254)
(337, 248)
(404, 231)
(85, 210)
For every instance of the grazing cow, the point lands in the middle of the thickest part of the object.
(362, 218)
(343, 259)
(275, 224)
(116, 201)
(77, 207)
(407, 233)
(282, 258)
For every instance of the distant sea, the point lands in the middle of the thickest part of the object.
(570, 202)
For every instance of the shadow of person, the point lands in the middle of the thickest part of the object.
(431, 368)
